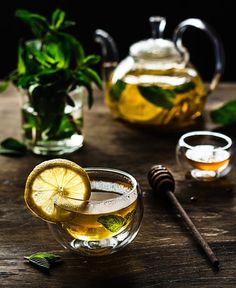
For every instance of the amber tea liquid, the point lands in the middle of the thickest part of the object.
(205, 157)
(131, 105)
(97, 223)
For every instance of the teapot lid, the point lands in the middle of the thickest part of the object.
(158, 50)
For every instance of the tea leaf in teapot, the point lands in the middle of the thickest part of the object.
(158, 96)
(183, 88)
(226, 114)
(117, 89)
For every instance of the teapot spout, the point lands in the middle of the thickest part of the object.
(109, 52)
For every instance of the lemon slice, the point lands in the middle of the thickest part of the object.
(52, 178)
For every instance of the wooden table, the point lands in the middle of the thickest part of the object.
(163, 254)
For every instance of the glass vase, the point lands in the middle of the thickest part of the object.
(51, 126)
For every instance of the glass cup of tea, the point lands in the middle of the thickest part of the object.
(205, 155)
(105, 223)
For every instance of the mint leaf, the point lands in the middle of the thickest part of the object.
(58, 18)
(158, 96)
(226, 114)
(11, 146)
(43, 259)
(38, 23)
(67, 24)
(9, 152)
(93, 76)
(112, 222)
(49, 67)
(129, 216)
(183, 88)
(91, 59)
(21, 64)
(40, 262)
(117, 89)
(3, 85)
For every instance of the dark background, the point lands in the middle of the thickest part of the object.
(127, 22)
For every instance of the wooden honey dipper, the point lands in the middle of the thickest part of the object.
(162, 181)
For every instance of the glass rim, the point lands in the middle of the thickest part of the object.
(182, 141)
(134, 188)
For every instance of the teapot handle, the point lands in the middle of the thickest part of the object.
(218, 47)
(109, 52)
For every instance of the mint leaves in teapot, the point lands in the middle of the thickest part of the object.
(146, 97)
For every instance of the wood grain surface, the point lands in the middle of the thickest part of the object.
(164, 253)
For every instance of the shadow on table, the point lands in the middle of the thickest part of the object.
(122, 269)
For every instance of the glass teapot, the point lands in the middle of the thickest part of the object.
(156, 84)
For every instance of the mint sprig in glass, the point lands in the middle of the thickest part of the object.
(54, 74)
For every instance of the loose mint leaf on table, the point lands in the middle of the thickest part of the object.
(43, 259)
(11, 146)
(112, 222)
(226, 114)
(158, 96)
(117, 89)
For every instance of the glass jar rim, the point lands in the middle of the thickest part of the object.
(119, 202)
(183, 143)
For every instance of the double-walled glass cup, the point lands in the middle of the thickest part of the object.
(205, 155)
(105, 223)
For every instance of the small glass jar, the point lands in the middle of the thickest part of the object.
(205, 155)
(105, 223)
(50, 126)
